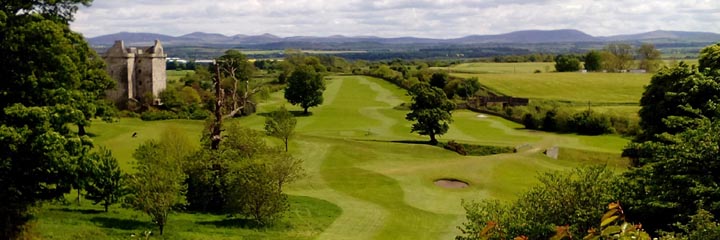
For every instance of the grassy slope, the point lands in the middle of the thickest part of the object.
(491, 67)
(385, 189)
(616, 88)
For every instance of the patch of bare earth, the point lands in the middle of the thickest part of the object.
(451, 183)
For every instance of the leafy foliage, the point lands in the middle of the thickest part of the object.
(305, 87)
(676, 175)
(281, 124)
(158, 186)
(573, 199)
(105, 183)
(51, 79)
(430, 109)
(567, 63)
(593, 61)
(614, 226)
(243, 176)
(680, 91)
(675, 159)
(649, 57)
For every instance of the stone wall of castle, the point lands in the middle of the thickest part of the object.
(137, 72)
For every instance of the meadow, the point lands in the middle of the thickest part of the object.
(501, 68)
(366, 176)
(595, 88)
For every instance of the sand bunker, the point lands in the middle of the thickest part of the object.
(451, 183)
(481, 116)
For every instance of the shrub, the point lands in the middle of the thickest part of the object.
(456, 147)
(573, 199)
(590, 123)
(158, 115)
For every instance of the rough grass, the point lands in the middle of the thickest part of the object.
(308, 217)
(354, 158)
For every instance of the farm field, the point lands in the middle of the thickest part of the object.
(361, 183)
(596, 88)
(504, 68)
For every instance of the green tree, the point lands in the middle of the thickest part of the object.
(676, 175)
(431, 110)
(305, 88)
(439, 79)
(617, 57)
(593, 61)
(575, 198)
(243, 176)
(567, 63)
(281, 124)
(106, 181)
(237, 72)
(678, 93)
(675, 158)
(710, 59)
(49, 73)
(256, 186)
(649, 57)
(158, 186)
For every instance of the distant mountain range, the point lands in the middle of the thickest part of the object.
(518, 37)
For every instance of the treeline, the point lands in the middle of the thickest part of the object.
(560, 117)
(243, 83)
(405, 74)
(615, 57)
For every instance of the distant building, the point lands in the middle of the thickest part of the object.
(138, 72)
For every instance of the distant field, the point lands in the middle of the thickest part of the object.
(491, 67)
(270, 52)
(173, 76)
(597, 88)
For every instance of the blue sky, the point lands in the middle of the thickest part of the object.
(394, 18)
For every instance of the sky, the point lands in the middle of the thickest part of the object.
(394, 18)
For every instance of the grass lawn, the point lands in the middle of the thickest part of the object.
(173, 76)
(596, 88)
(361, 182)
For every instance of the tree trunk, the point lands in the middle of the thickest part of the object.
(433, 141)
(306, 112)
(286, 144)
(215, 136)
(78, 197)
(106, 206)
(162, 227)
(81, 130)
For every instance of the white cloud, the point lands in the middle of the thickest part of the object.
(392, 18)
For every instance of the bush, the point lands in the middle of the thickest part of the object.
(455, 147)
(475, 150)
(158, 115)
(573, 199)
(128, 114)
(590, 123)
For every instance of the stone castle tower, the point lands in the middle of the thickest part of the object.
(137, 72)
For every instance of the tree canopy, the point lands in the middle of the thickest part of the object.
(51, 80)
(567, 63)
(593, 61)
(281, 124)
(430, 109)
(305, 87)
(675, 160)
